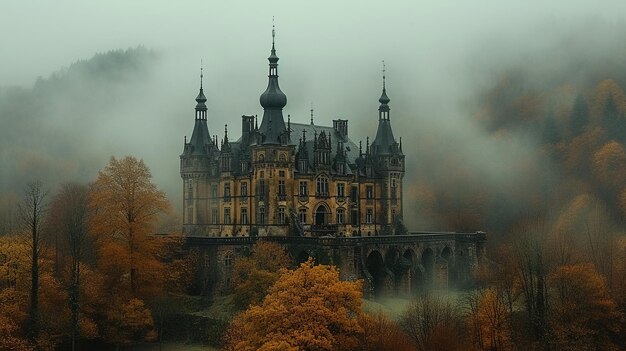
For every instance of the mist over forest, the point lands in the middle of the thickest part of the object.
(494, 146)
(511, 116)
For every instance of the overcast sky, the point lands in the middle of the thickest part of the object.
(438, 53)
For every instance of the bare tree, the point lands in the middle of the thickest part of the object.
(70, 211)
(529, 252)
(31, 212)
(432, 323)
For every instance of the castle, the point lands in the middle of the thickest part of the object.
(282, 179)
(316, 192)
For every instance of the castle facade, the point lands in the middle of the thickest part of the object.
(282, 178)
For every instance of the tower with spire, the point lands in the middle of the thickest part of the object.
(388, 159)
(273, 100)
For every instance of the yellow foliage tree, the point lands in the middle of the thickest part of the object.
(308, 308)
(609, 163)
(489, 320)
(584, 317)
(125, 206)
(254, 275)
(129, 323)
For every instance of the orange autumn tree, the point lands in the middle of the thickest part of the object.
(584, 316)
(308, 308)
(125, 207)
(254, 275)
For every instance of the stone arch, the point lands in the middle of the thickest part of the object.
(413, 279)
(446, 253)
(376, 268)
(428, 262)
(322, 214)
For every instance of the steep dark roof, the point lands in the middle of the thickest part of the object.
(382, 144)
(200, 138)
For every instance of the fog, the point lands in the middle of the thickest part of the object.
(441, 57)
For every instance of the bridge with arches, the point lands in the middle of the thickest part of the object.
(389, 265)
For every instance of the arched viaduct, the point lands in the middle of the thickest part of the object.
(389, 265)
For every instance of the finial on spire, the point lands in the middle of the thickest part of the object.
(273, 30)
(384, 74)
(311, 113)
(201, 73)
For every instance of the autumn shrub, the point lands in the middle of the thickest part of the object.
(308, 308)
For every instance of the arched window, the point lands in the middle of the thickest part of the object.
(322, 215)
(322, 186)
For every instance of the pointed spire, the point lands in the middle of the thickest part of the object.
(273, 100)
(384, 143)
(311, 113)
(383, 110)
(201, 99)
(273, 36)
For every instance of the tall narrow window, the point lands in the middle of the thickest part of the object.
(214, 191)
(304, 191)
(261, 219)
(226, 190)
(281, 215)
(369, 216)
(214, 219)
(341, 216)
(281, 188)
(227, 216)
(302, 215)
(369, 191)
(261, 187)
(354, 220)
(228, 259)
(244, 189)
(341, 189)
(244, 216)
(354, 194)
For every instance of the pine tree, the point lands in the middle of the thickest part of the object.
(579, 117)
